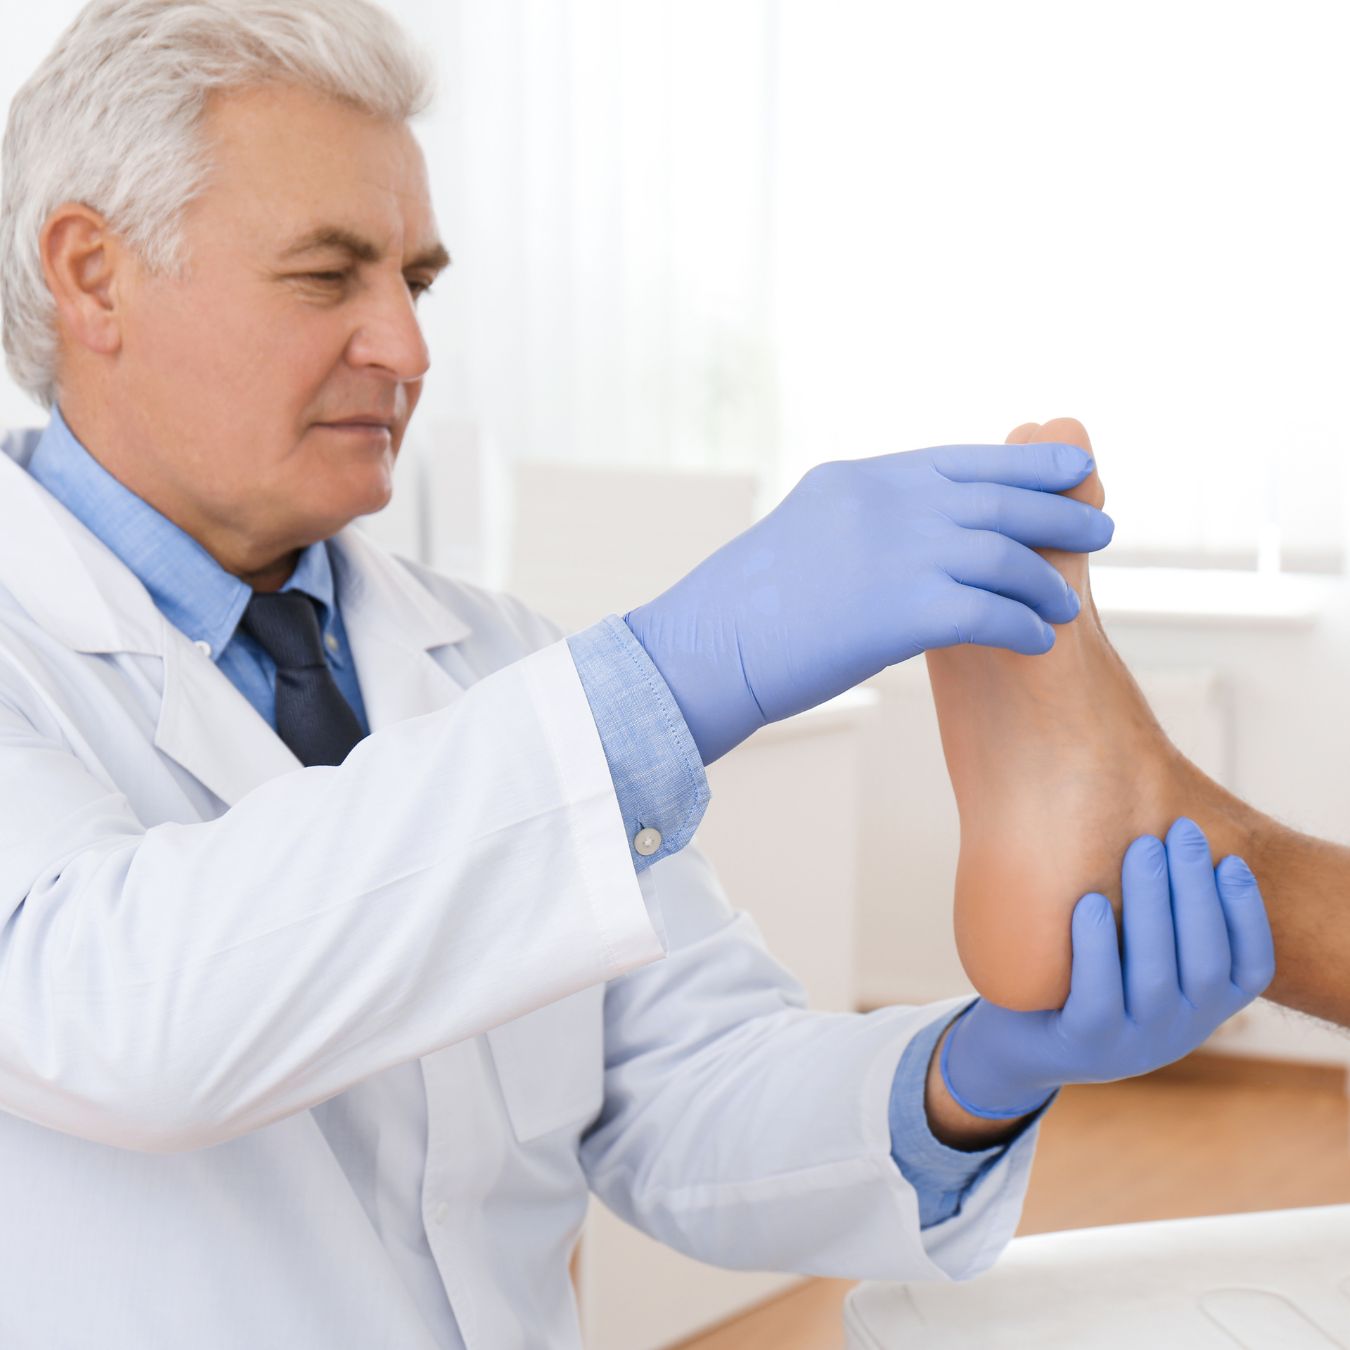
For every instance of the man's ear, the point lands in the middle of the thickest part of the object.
(80, 257)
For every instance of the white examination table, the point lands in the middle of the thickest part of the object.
(1273, 1281)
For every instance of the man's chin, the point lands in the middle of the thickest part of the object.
(371, 502)
(325, 519)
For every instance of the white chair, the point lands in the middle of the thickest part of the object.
(1272, 1281)
(589, 541)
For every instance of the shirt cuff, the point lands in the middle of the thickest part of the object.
(941, 1176)
(658, 774)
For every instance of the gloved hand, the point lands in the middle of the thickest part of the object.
(1197, 949)
(865, 563)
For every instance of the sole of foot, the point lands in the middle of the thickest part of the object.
(1057, 763)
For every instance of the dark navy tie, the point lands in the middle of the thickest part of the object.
(313, 716)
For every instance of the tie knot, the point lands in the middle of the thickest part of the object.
(285, 624)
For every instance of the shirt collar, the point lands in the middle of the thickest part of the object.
(191, 589)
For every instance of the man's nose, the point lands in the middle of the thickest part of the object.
(389, 335)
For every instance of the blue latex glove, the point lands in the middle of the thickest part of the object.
(865, 563)
(1197, 949)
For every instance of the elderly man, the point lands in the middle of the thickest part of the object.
(352, 926)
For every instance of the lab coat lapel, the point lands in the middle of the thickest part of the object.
(82, 594)
(394, 626)
(65, 577)
(209, 727)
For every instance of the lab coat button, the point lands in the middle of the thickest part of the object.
(203, 647)
(647, 841)
(440, 1213)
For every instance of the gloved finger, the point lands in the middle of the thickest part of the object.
(1036, 519)
(993, 562)
(1044, 467)
(966, 614)
(1065, 430)
(1204, 958)
(1151, 982)
(1249, 934)
(1096, 999)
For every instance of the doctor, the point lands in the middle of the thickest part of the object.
(352, 927)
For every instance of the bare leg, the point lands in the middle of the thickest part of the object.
(1057, 764)
(1306, 883)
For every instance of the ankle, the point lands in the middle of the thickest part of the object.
(1230, 825)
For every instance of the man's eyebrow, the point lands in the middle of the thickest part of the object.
(434, 258)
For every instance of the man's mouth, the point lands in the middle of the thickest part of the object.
(365, 423)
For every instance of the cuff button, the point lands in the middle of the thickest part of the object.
(647, 841)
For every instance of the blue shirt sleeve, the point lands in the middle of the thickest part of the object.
(657, 771)
(941, 1176)
(660, 783)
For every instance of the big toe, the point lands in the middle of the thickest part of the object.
(1024, 434)
(1070, 431)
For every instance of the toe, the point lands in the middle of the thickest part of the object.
(1024, 434)
(1070, 431)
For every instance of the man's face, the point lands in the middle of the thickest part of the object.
(305, 257)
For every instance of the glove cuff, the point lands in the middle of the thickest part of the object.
(970, 1107)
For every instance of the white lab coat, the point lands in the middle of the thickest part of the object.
(201, 941)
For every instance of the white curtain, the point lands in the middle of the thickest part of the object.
(1133, 213)
(604, 179)
(762, 233)
(755, 234)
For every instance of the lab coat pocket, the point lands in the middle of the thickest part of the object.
(551, 1064)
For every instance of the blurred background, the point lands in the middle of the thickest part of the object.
(701, 246)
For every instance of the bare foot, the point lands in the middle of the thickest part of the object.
(1057, 764)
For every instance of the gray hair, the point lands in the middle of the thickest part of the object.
(112, 117)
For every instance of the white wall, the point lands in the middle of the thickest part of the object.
(1288, 690)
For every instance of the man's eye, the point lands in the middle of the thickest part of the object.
(328, 277)
(419, 288)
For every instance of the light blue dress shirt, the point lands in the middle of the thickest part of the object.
(659, 781)
(658, 776)
(192, 590)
